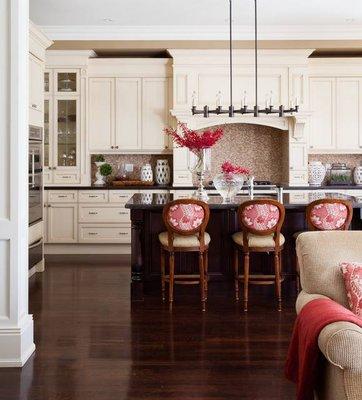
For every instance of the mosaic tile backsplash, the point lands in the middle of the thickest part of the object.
(138, 160)
(261, 149)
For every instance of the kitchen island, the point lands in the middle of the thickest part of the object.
(146, 219)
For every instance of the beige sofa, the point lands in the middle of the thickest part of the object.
(319, 255)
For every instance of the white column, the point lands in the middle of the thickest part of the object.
(16, 325)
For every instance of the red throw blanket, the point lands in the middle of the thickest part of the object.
(304, 354)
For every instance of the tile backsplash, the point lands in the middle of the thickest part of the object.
(261, 149)
(138, 160)
(352, 160)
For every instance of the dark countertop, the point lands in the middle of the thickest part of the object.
(209, 187)
(154, 201)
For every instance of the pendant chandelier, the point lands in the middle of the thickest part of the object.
(269, 109)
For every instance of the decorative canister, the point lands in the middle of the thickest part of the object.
(163, 172)
(146, 173)
(316, 173)
(357, 175)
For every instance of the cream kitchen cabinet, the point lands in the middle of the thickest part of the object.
(336, 104)
(62, 222)
(128, 114)
(36, 98)
(62, 128)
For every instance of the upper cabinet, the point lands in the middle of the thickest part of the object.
(128, 114)
(336, 105)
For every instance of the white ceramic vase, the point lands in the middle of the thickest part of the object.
(357, 175)
(316, 173)
(100, 178)
(163, 172)
(146, 173)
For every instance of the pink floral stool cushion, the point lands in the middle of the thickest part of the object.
(261, 217)
(186, 217)
(329, 216)
(352, 274)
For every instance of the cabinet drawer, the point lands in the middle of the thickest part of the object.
(93, 196)
(104, 234)
(297, 197)
(298, 178)
(182, 194)
(66, 177)
(62, 196)
(103, 214)
(182, 178)
(120, 196)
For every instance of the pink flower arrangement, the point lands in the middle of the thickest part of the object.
(228, 168)
(194, 141)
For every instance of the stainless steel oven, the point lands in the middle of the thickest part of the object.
(35, 174)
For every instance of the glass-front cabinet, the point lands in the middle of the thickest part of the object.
(61, 127)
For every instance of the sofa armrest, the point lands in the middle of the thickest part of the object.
(341, 345)
(304, 298)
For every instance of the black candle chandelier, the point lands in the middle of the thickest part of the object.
(269, 109)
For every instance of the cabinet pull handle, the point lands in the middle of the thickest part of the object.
(122, 233)
(62, 196)
(93, 233)
(92, 213)
(122, 213)
(93, 196)
(66, 176)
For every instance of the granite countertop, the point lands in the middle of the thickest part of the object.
(154, 201)
(208, 187)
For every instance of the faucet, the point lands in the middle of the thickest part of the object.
(251, 186)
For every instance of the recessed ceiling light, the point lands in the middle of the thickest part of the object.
(107, 20)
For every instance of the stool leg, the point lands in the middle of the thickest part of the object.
(202, 281)
(246, 281)
(278, 288)
(236, 273)
(206, 269)
(163, 273)
(172, 278)
(297, 275)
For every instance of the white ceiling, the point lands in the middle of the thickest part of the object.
(188, 17)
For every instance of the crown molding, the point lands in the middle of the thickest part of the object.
(203, 32)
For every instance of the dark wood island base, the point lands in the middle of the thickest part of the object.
(147, 223)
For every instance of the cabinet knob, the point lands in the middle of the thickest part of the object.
(166, 147)
(311, 147)
(112, 147)
(49, 205)
(116, 147)
(54, 167)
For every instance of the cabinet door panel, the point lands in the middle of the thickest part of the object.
(322, 95)
(155, 113)
(101, 114)
(36, 84)
(128, 113)
(348, 116)
(62, 223)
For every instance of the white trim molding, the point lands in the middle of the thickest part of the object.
(16, 324)
(202, 32)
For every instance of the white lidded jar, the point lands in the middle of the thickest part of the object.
(316, 173)
(163, 172)
(357, 175)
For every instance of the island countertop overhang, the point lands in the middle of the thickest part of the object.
(155, 201)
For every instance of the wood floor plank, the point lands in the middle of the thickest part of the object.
(92, 345)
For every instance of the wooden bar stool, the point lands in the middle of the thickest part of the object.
(326, 215)
(185, 221)
(261, 221)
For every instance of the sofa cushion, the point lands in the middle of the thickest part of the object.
(352, 274)
(319, 255)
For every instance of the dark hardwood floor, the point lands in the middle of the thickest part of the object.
(91, 345)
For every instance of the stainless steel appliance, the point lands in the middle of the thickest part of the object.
(35, 174)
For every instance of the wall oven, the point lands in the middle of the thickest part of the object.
(35, 174)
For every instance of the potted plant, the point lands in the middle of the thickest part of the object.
(199, 144)
(105, 170)
(99, 161)
(230, 181)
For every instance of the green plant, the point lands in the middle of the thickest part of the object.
(105, 169)
(99, 158)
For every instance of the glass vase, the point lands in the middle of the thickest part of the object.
(228, 185)
(199, 164)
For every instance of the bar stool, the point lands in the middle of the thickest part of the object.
(261, 221)
(326, 215)
(185, 221)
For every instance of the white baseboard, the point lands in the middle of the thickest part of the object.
(17, 344)
(87, 249)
